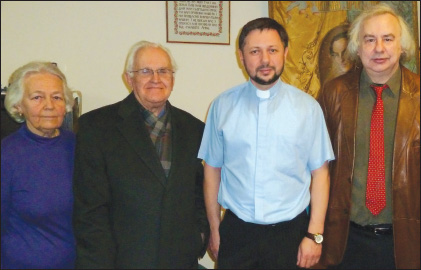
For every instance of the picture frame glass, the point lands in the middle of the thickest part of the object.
(206, 22)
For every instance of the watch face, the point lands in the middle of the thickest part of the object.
(318, 238)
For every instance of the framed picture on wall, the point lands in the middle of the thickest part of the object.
(318, 37)
(206, 22)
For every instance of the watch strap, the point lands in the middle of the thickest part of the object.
(313, 237)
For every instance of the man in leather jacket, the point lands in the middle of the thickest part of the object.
(354, 237)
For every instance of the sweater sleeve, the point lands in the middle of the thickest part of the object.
(6, 174)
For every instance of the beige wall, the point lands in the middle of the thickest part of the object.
(90, 40)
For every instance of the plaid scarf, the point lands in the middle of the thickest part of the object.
(160, 133)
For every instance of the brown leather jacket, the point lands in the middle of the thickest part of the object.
(339, 101)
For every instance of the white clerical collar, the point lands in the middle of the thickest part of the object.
(263, 93)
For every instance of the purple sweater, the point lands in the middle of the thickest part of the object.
(37, 200)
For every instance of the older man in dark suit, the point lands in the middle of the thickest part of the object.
(137, 181)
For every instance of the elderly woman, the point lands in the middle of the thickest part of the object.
(36, 172)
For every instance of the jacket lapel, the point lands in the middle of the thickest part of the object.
(134, 131)
(178, 145)
(349, 113)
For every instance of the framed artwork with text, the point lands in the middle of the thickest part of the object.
(206, 22)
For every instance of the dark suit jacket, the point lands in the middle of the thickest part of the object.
(127, 214)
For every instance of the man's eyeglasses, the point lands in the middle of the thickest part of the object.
(148, 73)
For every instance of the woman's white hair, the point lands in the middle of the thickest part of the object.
(16, 89)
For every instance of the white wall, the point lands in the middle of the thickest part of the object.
(90, 40)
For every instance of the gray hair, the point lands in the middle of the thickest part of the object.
(407, 41)
(142, 45)
(16, 89)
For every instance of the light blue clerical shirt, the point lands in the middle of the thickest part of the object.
(266, 144)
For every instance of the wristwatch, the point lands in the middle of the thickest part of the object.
(318, 238)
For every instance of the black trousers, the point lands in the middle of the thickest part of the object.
(366, 250)
(247, 245)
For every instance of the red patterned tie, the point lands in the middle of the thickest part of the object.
(375, 198)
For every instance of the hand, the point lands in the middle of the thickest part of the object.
(214, 239)
(308, 253)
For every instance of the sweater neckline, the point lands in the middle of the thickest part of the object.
(43, 140)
